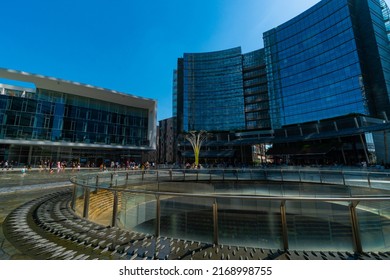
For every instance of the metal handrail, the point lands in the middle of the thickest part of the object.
(353, 201)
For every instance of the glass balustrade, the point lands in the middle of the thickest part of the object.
(297, 209)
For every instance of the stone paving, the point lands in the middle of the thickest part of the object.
(9, 202)
(17, 188)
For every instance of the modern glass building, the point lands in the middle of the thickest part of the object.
(57, 120)
(318, 79)
(386, 16)
(329, 61)
(331, 64)
(211, 91)
(221, 92)
(256, 91)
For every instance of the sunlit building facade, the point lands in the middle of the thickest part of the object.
(56, 120)
(212, 91)
(256, 91)
(332, 60)
(322, 77)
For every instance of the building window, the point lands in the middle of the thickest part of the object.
(47, 122)
(17, 119)
(32, 121)
(24, 106)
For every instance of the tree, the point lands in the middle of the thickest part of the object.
(196, 139)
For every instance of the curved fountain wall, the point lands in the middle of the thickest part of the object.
(296, 209)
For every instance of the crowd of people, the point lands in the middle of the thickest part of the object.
(4, 164)
(128, 165)
(61, 166)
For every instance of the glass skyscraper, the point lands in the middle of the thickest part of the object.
(330, 61)
(255, 90)
(212, 94)
(319, 77)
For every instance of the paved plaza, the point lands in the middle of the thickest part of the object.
(17, 188)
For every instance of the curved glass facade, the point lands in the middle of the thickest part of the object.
(213, 95)
(255, 90)
(313, 66)
(386, 17)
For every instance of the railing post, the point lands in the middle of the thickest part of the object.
(284, 224)
(74, 193)
(369, 180)
(281, 174)
(86, 203)
(114, 209)
(215, 221)
(355, 227)
(170, 174)
(343, 175)
(158, 216)
(112, 179)
(320, 176)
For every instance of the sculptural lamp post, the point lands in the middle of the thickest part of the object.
(196, 139)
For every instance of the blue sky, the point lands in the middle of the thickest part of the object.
(127, 45)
